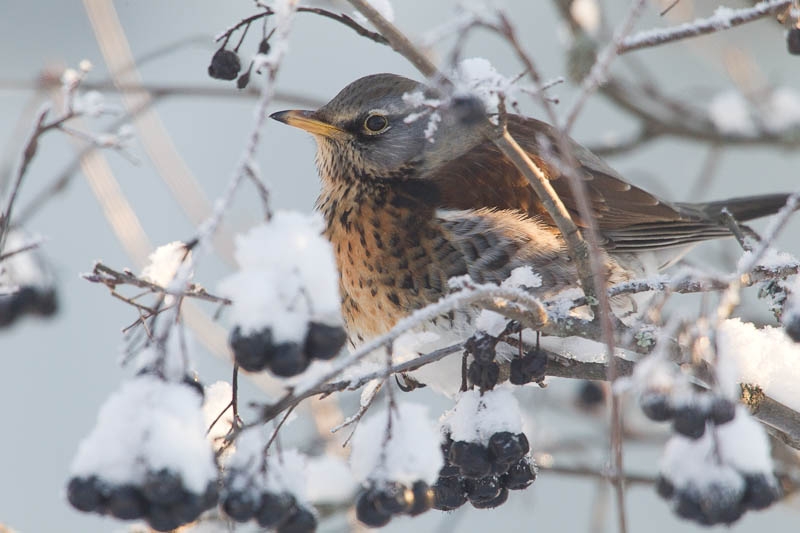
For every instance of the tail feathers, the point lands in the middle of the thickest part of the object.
(742, 209)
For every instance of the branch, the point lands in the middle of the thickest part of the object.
(723, 19)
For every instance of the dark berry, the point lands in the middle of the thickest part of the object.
(791, 325)
(300, 521)
(483, 375)
(591, 395)
(324, 341)
(482, 490)
(690, 421)
(688, 505)
(656, 406)
(530, 367)
(519, 475)
(210, 496)
(251, 351)
(126, 503)
(368, 513)
(497, 501)
(449, 470)
(793, 41)
(263, 46)
(240, 506)
(761, 491)
(288, 360)
(243, 80)
(163, 518)
(392, 498)
(721, 504)
(46, 302)
(274, 509)
(482, 347)
(664, 487)
(163, 486)
(86, 494)
(225, 65)
(722, 410)
(448, 494)
(471, 458)
(189, 508)
(507, 448)
(423, 498)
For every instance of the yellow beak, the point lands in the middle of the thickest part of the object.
(308, 121)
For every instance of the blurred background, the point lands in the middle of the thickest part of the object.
(57, 372)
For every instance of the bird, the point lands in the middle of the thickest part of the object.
(406, 211)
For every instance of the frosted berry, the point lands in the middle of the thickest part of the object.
(301, 521)
(528, 368)
(471, 458)
(722, 410)
(225, 65)
(163, 518)
(482, 347)
(263, 46)
(761, 491)
(791, 325)
(497, 501)
(324, 341)
(423, 498)
(665, 488)
(126, 503)
(656, 406)
(86, 494)
(448, 494)
(391, 498)
(243, 80)
(793, 41)
(482, 490)
(163, 486)
(690, 421)
(368, 513)
(519, 475)
(507, 448)
(288, 360)
(251, 351)
(591, 394)
(240, 506)
(274, 509)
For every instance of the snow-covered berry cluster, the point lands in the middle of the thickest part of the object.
(147, 457)
(715, 479)
(285, 297)
(377, 504)
(396, 463)
(689, 413)
(485, 452)
(268, 490)
(26, 285)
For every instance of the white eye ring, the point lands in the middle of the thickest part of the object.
(376, 122)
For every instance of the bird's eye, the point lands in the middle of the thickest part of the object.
(376, 123)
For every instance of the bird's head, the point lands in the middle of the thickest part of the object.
(368, 131)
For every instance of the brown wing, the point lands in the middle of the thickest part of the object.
(629, 218)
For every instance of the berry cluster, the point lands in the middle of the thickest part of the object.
(280, 511)
(226, 65)
(257, 351)
(720, 501)
(26, 284)
(162, 499)
(147, 457)
(376, 505)
(26, 300)
(689, 415)
(483, 474)
(717, 478)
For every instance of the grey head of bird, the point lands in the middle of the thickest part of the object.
(369, 132)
